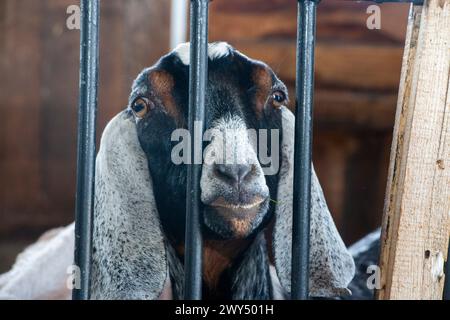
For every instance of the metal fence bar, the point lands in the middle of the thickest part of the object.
(87, 111)
(197, 88)
(89, 52)
(306, 28)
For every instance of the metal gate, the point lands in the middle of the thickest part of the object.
(306, 26)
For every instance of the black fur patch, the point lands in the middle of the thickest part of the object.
(231, 89)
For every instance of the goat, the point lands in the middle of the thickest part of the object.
(246, 203)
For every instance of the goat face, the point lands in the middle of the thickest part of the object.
(241, 94)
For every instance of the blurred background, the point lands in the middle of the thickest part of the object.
(357, 76)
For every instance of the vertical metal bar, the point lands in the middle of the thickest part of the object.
(87, 111)
(197, 87)
(306, 29)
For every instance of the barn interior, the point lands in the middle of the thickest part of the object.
(356, 84)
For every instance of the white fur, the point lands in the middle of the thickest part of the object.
(278, 293)
(216, 50)
(437, 266)
(40, 271)
(364, 244)
(230, 144)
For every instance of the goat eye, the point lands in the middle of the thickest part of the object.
(278, 98)
(140, 107)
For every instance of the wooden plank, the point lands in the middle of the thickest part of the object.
(20, 104)
(134, 21)
(416, 222)
(355, 110)
(144, 45)
(234, 20)
(58, 113)
(39, 63)
(344, 66)
(252, 6)
(346, 20)
(332, 149)
(364, 176)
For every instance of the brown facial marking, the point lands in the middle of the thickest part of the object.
(240, 221)
(263, 83)
(218, 255)
(241, 227)
(161, 83)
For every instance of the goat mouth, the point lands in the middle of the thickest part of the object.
(235, 220)
(222, 203)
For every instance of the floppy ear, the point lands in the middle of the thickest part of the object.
(331, 265)
(129, 256)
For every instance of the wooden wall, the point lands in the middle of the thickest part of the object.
(39, 65)
(357, 74)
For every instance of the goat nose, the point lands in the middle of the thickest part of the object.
(233, 172)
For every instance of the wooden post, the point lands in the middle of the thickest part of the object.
(416, 223)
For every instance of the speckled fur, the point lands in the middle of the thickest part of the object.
(129, 259)
(251, 279)
(176, 273)
(331, 265)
